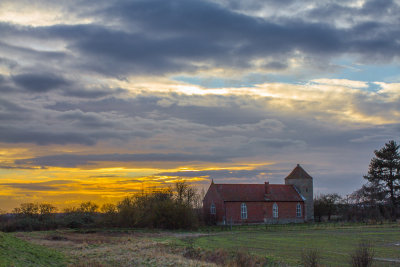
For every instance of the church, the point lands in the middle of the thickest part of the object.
(291, 202)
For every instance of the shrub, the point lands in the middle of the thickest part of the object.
(363, 256)
(311, 258)
(244, 259)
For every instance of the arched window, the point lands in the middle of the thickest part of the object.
(275, 210)
(243, 211)
(213, 210)
(298, 210)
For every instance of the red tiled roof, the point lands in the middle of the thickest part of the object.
(256, 192)
(298, 173)
(282, 192)
(241, 192)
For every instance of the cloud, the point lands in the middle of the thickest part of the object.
(73, 160)
(224, 174)
(149, 38)
(39, 82)
(53, 185)
(342, 82)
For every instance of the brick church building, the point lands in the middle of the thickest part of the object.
(262, 203)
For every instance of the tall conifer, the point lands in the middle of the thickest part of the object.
(384, 173)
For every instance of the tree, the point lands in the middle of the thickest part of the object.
(88, 207)
(326, 205)
(384, 174)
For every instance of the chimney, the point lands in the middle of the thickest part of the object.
(267, 188)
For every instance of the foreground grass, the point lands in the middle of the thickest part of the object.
(280, 245)
(286, 243)
(16, 252)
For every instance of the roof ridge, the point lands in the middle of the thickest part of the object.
(298, 173)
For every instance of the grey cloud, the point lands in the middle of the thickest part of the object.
(154, 40)
(9, 167)
(10, 112)
(30, 186)
(245, 36)
(52, 185)
(90, 120)
(73, 135)
(23, 135)
(73, 160)
(42, 58)
(80, 91)
(9, 63)
(227, 173)
(333, 10)
(230, 113)
(39, 82)
(158, 37)
(276, 65)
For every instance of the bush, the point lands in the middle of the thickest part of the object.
(363, 256)
(311, 258)
(159, 209)
(244, 259)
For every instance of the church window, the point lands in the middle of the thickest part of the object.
(243, 211)
(275, 210)
(298, 210)
(213, 210)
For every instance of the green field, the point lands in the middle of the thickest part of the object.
(286, 243)
(282, 245)
(16, 252)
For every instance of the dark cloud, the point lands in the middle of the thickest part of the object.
(73, 160)
(227, 173)
(44, 59)
(9, 63)
(30, 186)
(157, 37)
(23, 135)
(276, 65)
(9, 167)
(89, 120)
(11, 112)
(39, 82)
(335, 10)
(230, 113)
(80, 91)
(223, 34)
(53, 185)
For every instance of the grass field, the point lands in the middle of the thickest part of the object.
(16, 252)
(334, 242)
(282, 245)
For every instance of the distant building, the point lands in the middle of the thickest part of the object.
(262, 203)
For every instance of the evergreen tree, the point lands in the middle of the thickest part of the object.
(384, 173)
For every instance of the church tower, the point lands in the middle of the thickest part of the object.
(304, 185)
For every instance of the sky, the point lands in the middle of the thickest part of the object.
(102, 99)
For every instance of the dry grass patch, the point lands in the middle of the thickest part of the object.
(107, 249)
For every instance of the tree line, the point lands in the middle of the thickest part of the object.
(165, 208)
(376, 200)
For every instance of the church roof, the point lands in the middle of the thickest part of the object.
(257, 192)
(298, 173)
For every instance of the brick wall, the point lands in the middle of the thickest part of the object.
(261, 212)
(212, 196)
